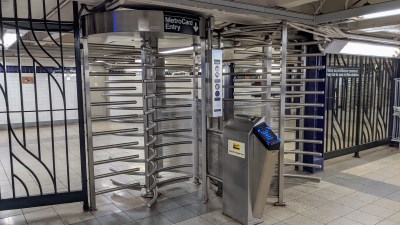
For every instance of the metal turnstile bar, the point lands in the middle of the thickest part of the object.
(113, 89)
(304, 117)
(306, 92)
(303, 177)
(173, 118)
(98, 133)
(172, 143)
(113, 103)
(169, 81)
(303, 141)
(123, 81)
(121, 145)
(173, 167)
(173, 93)
(108, 94)
(120, 187)
(174, 180)
(253, 100)
(124, 108)
(117, 159)
(306, 80)
(173, 106)
(116, 173)
(172, 131)
(172, 156)
(303, 153)
(303, 129)
(303, 164)
(102, 74)
(305, 104)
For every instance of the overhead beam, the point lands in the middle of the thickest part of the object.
(355, 12)
(293, 3)
(239, 8)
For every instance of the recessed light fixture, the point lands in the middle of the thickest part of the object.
(362, 48)
(387, 13)
(177, 50)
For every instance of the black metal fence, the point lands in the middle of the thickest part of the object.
(358, 103)
(42, 151)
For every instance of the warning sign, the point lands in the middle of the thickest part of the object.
(182, 24)
(237, 149)
(336, 71)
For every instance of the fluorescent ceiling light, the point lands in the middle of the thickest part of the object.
(9, 39)
(177, 50)
(358, 48)
(381, 14)
(361, 48)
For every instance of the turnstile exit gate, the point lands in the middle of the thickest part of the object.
(250, 156)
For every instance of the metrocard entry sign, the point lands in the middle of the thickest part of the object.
(181, 23)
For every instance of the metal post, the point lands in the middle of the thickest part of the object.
(204, 72)
(302, 111)
(195, 112)
(81, 113)
(89, 138)
(267, 69)
(282, 117)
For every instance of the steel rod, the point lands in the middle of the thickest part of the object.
(116, 173)
(102, 147)
(116, 159)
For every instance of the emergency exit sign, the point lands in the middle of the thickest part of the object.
(181, 23)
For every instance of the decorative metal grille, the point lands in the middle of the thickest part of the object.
(42, 147)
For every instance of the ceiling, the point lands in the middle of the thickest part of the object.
(333, 13)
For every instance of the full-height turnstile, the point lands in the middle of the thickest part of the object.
(141, 99)
(265, 75)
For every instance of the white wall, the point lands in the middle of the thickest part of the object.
(43, 100)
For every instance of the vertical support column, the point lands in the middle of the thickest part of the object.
(281, 163)
(267, 74)
(148, 88)
(195, 111)
(314, 111)
(206, 44)
(80, 100)
(89, 138)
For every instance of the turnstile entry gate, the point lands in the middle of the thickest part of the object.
(250, 156)
(141, 71)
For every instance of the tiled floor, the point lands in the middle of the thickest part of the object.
(353, 191)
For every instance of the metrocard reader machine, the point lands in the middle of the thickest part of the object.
(250, 156)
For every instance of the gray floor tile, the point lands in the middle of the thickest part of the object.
(363, 218)
(155, 220)
(195, 221)
(186, 199)
(199, 208)
(114, 219)
(141, 212)
(179, 215)
(51, 221)
(13, 220)
(88, 222)
(165, 205)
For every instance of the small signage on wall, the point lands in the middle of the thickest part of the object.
(181, 23)
(28, 80)
(339, 71)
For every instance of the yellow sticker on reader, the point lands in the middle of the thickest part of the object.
(236, 148)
